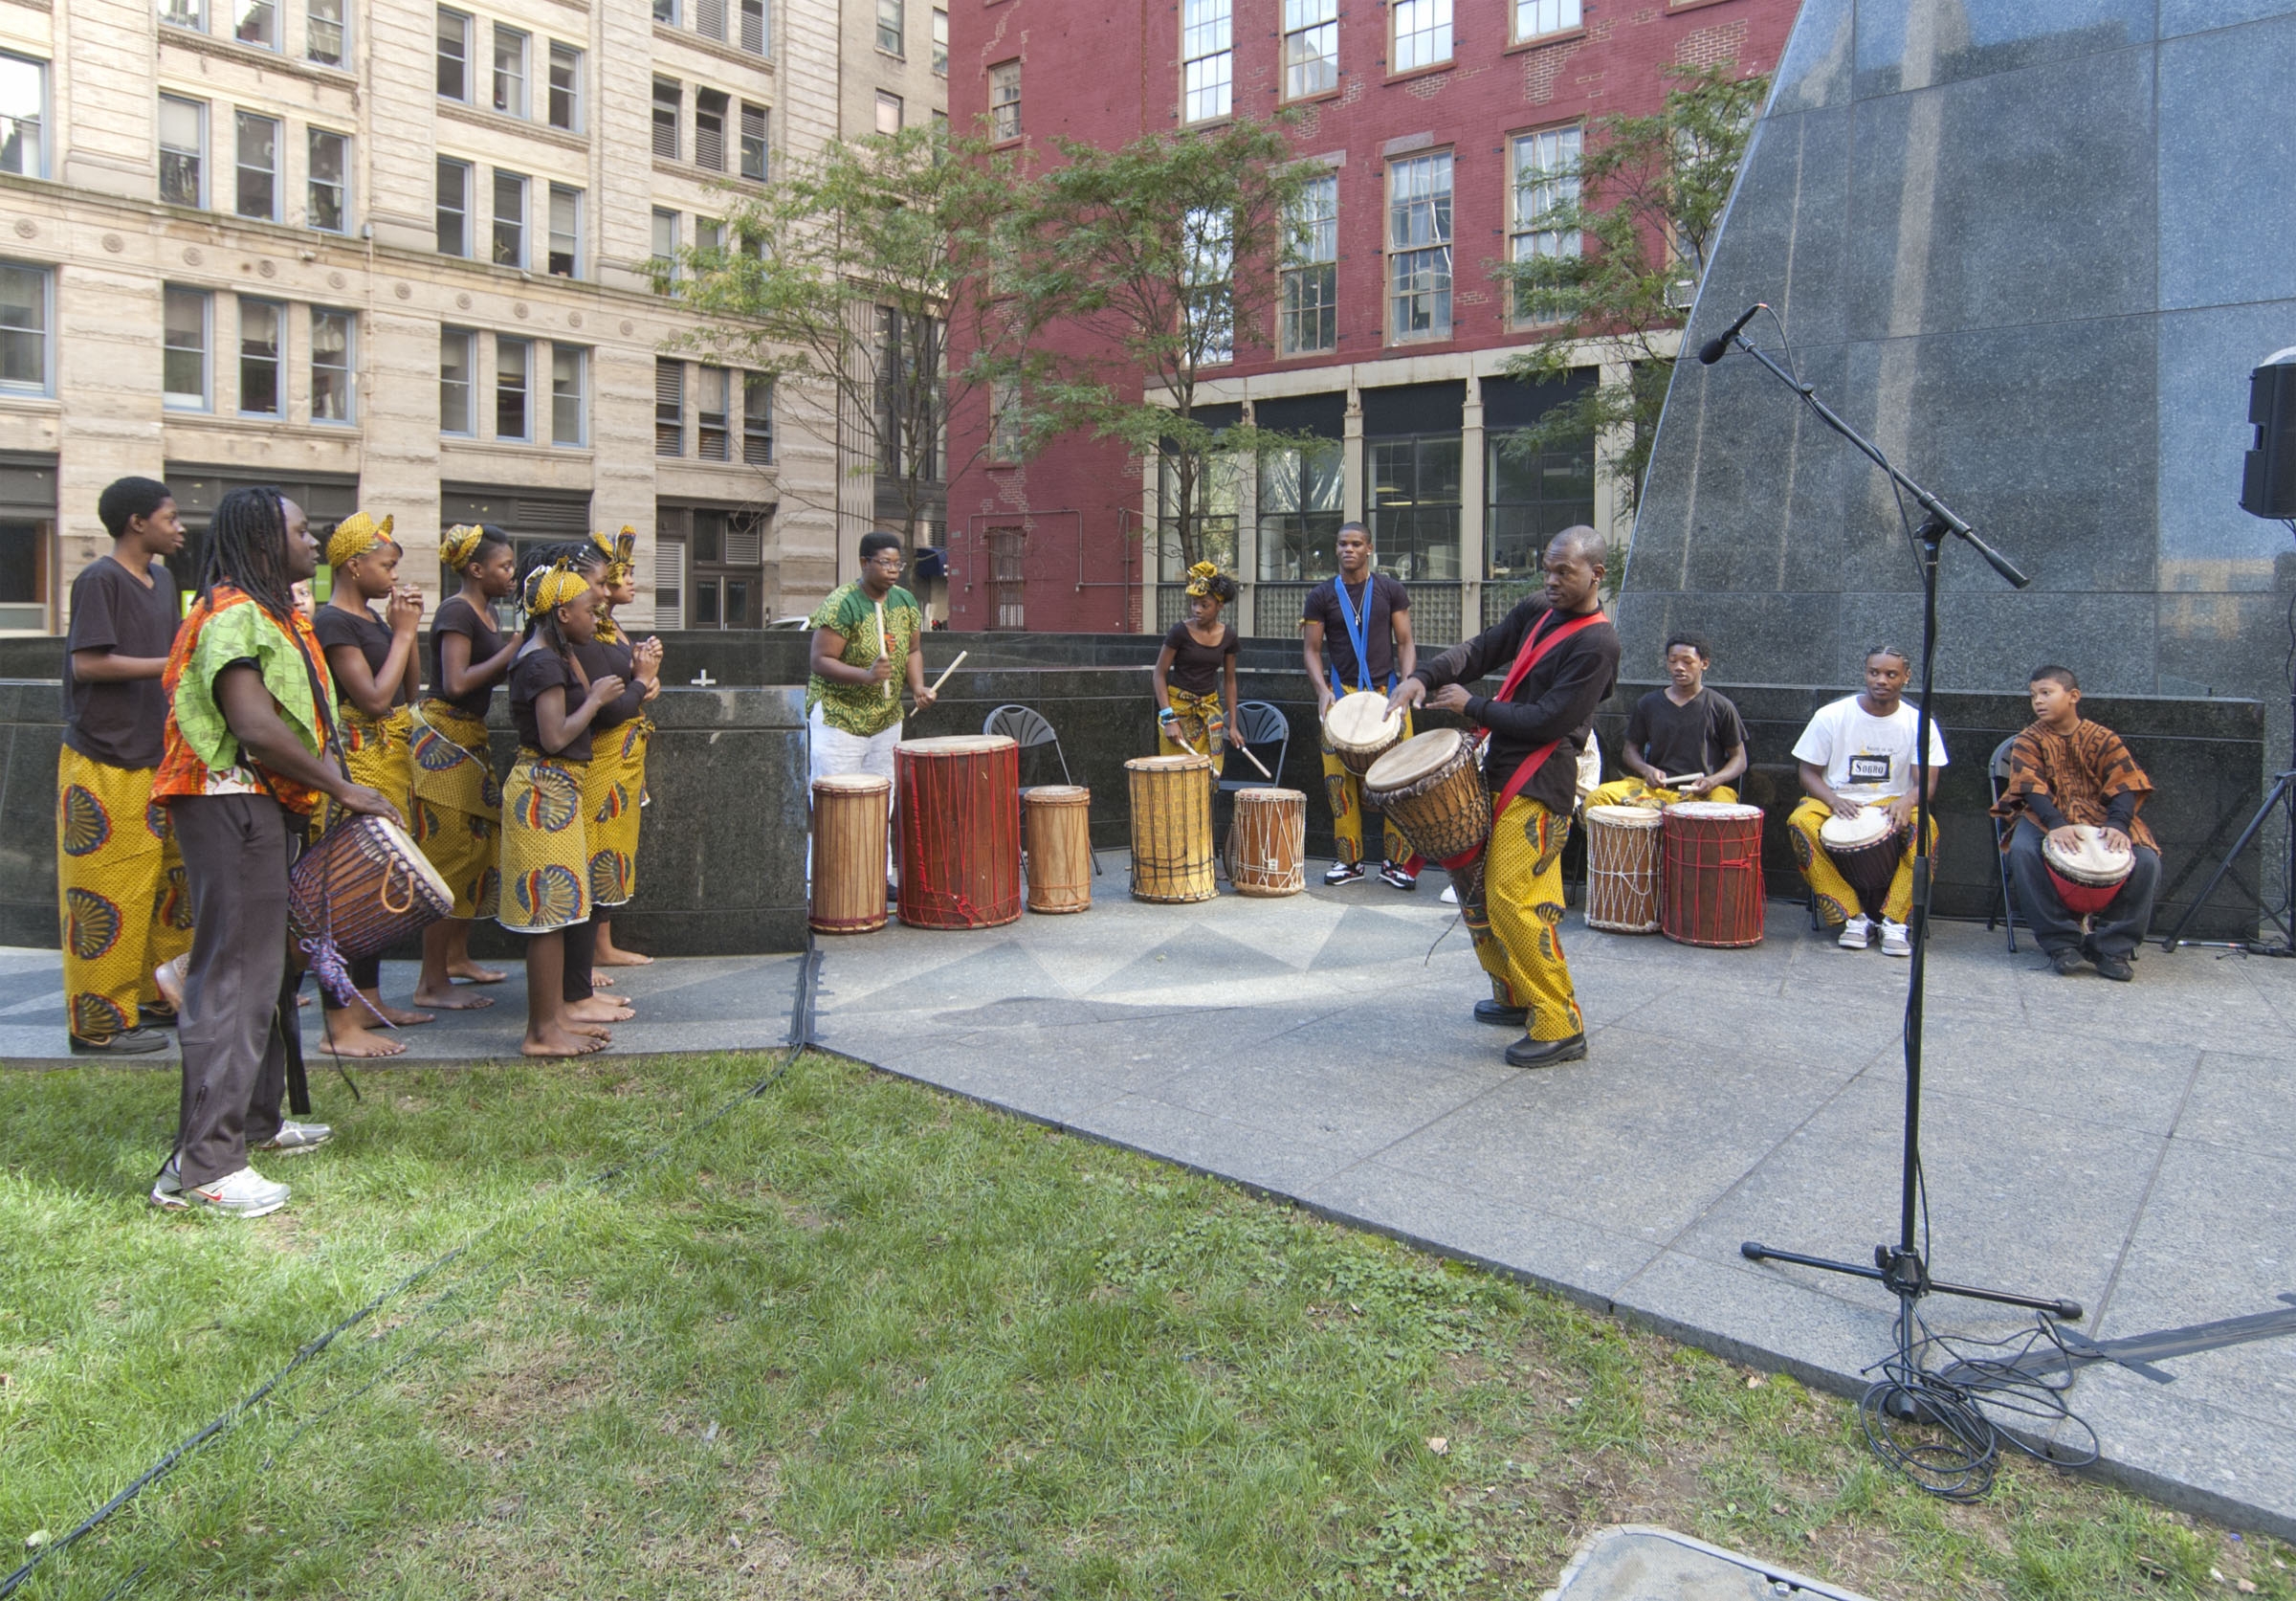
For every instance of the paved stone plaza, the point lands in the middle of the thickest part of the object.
(2130, 1147)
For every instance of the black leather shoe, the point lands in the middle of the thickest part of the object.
(1527, 1051)
(154, 1017)
(2067, 962)
(1505, 1016)
(127, 1042)
(2118, 969)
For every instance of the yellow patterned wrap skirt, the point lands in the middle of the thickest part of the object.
(378, 751)
(612, 793)
(122, 901)
(545, 848)
(458, 816)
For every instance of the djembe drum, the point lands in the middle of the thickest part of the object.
(1866, 850)
(957, 818)
(1057, 820)
(362, 888)
(1362, 731)
(851, 813)
(1171, 827)
(1621, 868)
(1710, 883)
(1267, 842)
(2088, 875)
(1430, 788)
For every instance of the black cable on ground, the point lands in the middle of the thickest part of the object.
(800, 1035)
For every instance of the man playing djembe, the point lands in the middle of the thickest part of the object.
(1561, 660)
(2066, 773)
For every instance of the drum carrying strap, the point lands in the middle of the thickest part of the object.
(1538, 645)
(1358, 635)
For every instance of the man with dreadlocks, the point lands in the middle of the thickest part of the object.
(250, 696)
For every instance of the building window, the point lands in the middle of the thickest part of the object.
(326, 197)
(453, 56)
(184, 349)
(669, 408)
(1299, 510)
(1004, 101)
(757, 419)
(712, 398)
(1546, 176)
(1534, 498)
(1008, 428)
(1206, 59)
(566, 232)
(565, 87)
(509, 219)
(569, 370)
(23, 293)
(1309, 309)
(665, 13)
(183, 151)
(457, 355)
(753, 142)
(512, 357)
(1419, 245)
(510, 71)
(332, 365)
(709, 20)
(257, 161)
(709, 233)
(889, 112)
(709, 130)
(753, 25)
(1311, 47)
(453, 207)
(1007, 576)
(184, 13)
(665, 99)
(891, 27)
(665, 243)
(940, 41)
(257, 24)
(262, 327)
(1423, 33)
(324, 36)
(22, 114)
(1534, 17)
(1414, 496)
(1207, 312)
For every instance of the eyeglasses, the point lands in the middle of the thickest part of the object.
(886, 561)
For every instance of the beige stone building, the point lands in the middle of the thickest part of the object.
(396, 255)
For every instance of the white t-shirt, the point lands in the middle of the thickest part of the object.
(1866, 758)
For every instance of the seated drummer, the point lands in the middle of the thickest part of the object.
(1685, 728)
(2063, 771)
(1859, 752)
(1354, 633)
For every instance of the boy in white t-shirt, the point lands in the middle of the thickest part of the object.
(1859, 752)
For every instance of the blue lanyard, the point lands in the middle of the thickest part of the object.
(1356, 633)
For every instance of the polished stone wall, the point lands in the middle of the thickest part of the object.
(2032, 248)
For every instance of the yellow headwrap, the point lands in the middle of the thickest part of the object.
(355, 536)
(619, 551)
(547, 589)
(460, 545)
(1199, 578)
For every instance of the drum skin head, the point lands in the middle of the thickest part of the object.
(958, 745)
(854, 784)
(1057, 795)
(1625, 816)
(1246, 799)
(1848, 834)
(1414, 759)
(1713, 809)
(1166, 764)
(413, 854)
(1362, 719)
(2091, 862)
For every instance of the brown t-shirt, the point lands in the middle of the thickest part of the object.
(612, 657)
(1195, 666)
(536, 669)
(337, 627)
(457, 615)
(118, 723)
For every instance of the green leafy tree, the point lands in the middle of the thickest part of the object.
(1647, 198)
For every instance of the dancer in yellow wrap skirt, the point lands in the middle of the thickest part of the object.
(619, 740)
(1198, 662)
(457, 817)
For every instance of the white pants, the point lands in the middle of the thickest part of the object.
(832, 751)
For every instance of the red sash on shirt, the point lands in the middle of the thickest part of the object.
(1538, 645)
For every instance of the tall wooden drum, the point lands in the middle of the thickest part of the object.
(1267, 842)
(1710, 889)
(1621, 869)
(850, 815)
(1057, 823)
(957, 818)
(1171, 827)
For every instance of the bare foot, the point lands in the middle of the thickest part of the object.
(351, 1039)
(399, 1016)
(471, 972)
(561, 1042)
(302, 1002)
(613, 957)
(596, 1030)
(599, 1008)
(600, 981)
(168, 979)
(453, 1000)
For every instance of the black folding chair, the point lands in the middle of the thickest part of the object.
(1029, 728)
(1995, 775)
(1256, 724)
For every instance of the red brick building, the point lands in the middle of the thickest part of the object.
(1443, 124)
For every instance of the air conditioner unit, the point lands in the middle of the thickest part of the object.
(1681, 292)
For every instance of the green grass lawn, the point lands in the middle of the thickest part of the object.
(857, 1339)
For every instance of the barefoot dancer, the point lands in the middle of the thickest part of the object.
(377, 677)
(545, 853)
(458, 806)
(619, 737)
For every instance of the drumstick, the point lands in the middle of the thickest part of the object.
(946, 670)
(885, 647)
(1253, 760)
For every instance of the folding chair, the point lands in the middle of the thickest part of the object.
(1256, 724)
(1995, 775)
(1029, 728)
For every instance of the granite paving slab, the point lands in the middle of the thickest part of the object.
(2128, 1146)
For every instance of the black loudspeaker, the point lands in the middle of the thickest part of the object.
(2268, 475)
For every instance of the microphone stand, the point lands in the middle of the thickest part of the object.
(1901, 1266)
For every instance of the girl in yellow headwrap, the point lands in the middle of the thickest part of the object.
(619, 738)
(1197, 664)
(377, 677)
(458, 816)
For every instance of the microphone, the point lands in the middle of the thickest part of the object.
(1711, 350)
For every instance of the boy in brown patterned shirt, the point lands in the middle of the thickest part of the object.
(2065, 770)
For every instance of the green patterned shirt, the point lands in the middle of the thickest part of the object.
(865, 709)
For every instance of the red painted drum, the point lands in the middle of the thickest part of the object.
(1711, 891)
(957, 818)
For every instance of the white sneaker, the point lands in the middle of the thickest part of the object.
(1896, 940)
(167, 1190)
(1451, 894)
(293, 1137)
(1856, 934)
(245, 1194)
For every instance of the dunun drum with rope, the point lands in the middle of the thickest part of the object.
(1057, 823)
(1711, 886)
(1621, 869)
(1268, 843)
(367, 886)
(851, 813)
(1171, 827)
(956, 816)
(1430, 788)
